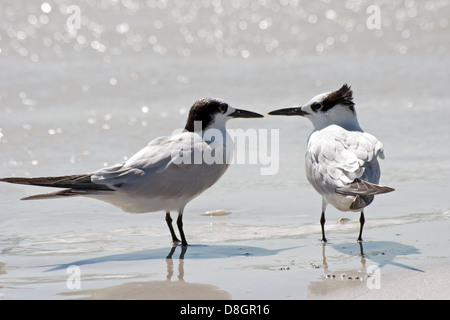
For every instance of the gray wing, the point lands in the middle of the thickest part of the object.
(337, 158)
(154, 157)
(163, 169)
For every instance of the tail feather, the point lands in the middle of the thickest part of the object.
(58, 194)
(75, 185)
(363, 188)
(78, 182)
(361, 202)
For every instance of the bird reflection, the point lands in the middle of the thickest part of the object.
(362, 276)
(169, 262)
(345, 274)
(172, 251)
(333, 280)
(159, 289)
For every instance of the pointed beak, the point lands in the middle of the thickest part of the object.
(296, 111)
(238, 113)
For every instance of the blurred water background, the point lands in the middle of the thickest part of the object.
(73, 100)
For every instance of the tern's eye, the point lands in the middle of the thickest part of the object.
(223, 108)
(316, 106)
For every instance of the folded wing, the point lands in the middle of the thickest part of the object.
(339, 158)
(168, 167)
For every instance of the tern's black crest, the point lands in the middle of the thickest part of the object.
(343, 96)
(203, 111)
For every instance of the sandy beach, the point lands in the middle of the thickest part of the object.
(293, 268)
(432, 283)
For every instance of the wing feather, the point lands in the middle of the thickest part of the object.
(164, 168)
(337, 157)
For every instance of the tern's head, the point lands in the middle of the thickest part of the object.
(210, 113)
(328, 108)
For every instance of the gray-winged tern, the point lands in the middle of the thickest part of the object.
(341, 159)
(165, 175)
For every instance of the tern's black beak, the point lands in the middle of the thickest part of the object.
(238, 113)
(297, 111)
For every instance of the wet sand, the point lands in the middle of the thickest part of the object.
(154, 290)
(431, 283)
(275, 268)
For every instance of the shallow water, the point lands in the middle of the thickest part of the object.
(73, 101)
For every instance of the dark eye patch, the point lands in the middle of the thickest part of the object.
(223, 107)
(316, 106)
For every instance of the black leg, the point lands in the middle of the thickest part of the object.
(361, 224)
(180, 229)
(322, 224)
(169, 224)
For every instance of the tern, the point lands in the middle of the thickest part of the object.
(155, 179)
(341, 159)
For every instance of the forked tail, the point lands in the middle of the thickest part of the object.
(363, 191)
(74, 185)
(363, 188)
